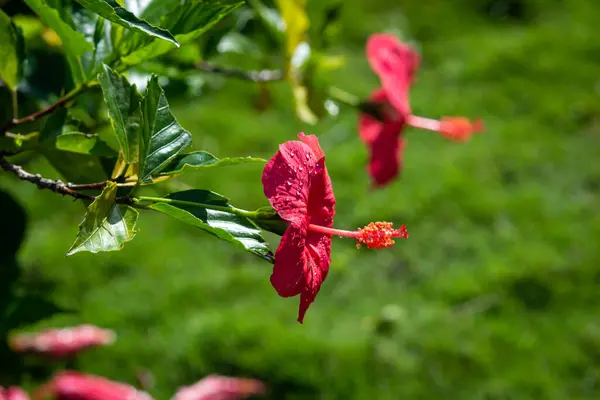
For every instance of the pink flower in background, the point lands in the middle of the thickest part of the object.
(13, 393)
(65, 342)
(395, 63)
(69, 385)
(215, 387)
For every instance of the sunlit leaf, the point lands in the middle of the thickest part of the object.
(106, 225)
(187, 21)
(202, 159)
(124, 109)
(162, 138)
(113, 11)
(81, 143)
(223, 224)
(11, 52)
(73, 41)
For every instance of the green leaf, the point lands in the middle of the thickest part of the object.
(225, 225)
(112, 11)
(77, 142)
(162, 138)
(12, 52)
(187, 21)
(202, 159)
(106, 225)
(74, 42)
(98, 31)
(123, 102)
(75, 167)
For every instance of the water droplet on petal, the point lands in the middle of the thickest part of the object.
(300, 168)
(289, 183)
(307, 156)
(292, 154)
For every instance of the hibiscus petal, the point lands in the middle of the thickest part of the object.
(313, 142)
(395, 63)
(318, 249)
(385, 158)
(286, 180)
(290, 260)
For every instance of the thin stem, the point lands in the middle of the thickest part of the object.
(87, 186)
(265, 75)
(15, 103)
(332, 231)
(56, 186)
(45, 111)
(232, 210)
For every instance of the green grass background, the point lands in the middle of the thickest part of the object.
(495, 295)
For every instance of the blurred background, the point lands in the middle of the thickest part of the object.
(495, 295)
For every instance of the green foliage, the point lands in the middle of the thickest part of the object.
(106, 225)
(198, 160)
(113, 11)
(162, 137)
(74, 42)
(11, 52)
(124, 109)
(187, 20)
(492, 297)
(190, 207)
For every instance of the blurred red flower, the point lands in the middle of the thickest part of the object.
(64, 342)
(13, 393)
(215, 387)
(395, 63)
(70, 385)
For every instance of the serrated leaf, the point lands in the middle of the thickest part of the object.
(12, 51)
(162, 136)
(202, 159)
(112, 11)
(225, 225)
(77, 142)
(187, 21)
(106, 225)
(74, 42)
(124, 109)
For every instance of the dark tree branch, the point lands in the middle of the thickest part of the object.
(56, 185)
(265, 75)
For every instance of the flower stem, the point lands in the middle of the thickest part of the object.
(332, 231)
(343, 97)
(228, 209)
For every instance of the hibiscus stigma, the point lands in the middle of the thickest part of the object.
(376, 235)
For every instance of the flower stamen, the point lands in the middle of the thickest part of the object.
(376, 235)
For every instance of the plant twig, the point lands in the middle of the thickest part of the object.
(56, 186)
(265, 75)
(45, 111)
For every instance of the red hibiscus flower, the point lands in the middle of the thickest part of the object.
(70, 385)
(13, 393)
(215, 387)
(298, 187)
(65, 342)
(396, 63)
